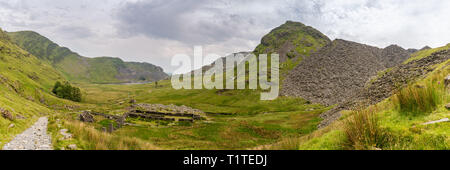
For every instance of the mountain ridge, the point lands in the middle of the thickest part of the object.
(84, 69)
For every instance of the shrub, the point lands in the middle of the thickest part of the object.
(416, 100)
(66, 91)
(363, 130)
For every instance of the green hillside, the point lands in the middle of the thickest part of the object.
(292, 41)
(230, 119)
(82, 69)
(25, 88)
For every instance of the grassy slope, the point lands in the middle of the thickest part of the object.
(73, 66)
(407, 131)
(300, 40)
(25, 84)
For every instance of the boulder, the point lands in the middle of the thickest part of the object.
(86, 117)
(72, 147)
(65, 135)
(447, 106)
(6, 114)
(132, 101)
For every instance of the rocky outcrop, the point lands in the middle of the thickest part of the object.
(165, 112)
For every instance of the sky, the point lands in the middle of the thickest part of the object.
(154, 31)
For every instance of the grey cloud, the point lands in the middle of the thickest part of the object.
(188, 21)
(74, 32)
(127, 28)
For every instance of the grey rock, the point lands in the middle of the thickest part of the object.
(72, 147)
(65, 134)
(6, 114)
(34, 138)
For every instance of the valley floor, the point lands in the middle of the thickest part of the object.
(234, 119)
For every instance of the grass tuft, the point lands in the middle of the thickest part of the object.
(363, 130)
(419, 100)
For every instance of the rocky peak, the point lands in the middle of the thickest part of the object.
(425, 48)
(292, 40)
(393, 55)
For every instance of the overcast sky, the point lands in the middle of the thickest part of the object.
(155, 30)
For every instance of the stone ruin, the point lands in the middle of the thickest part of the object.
(147, 112)
(86, 117)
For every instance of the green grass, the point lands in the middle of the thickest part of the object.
(253, 123)
(333, 140)
(300, 39)
(242, 102)
(363, 130)
(419, 99)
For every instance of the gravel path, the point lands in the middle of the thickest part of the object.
(34, 138)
